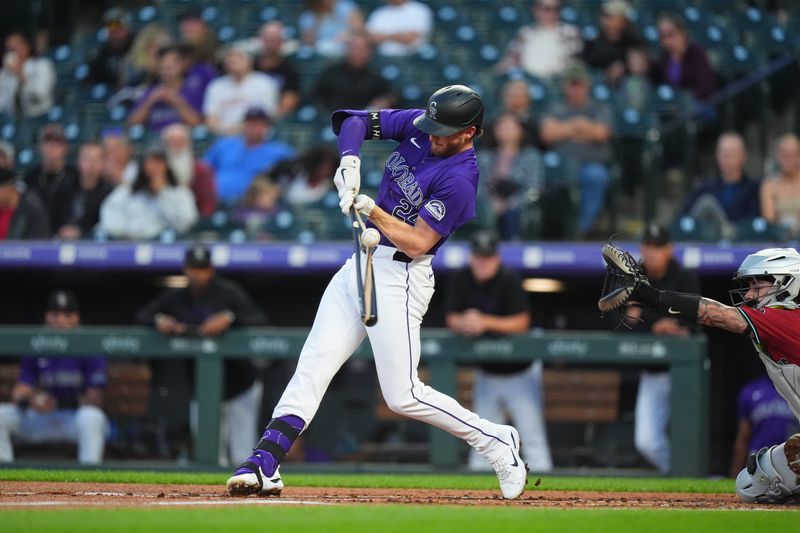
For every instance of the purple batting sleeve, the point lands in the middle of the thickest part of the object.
(450, 205)
(351, 135)
(29, 372)
(94, 372)
(396, 124)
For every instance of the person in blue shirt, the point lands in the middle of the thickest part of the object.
(729, 197)
(237, 160)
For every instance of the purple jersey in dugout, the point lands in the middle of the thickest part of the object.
(415, 183)
(66, 378)
(771, 420)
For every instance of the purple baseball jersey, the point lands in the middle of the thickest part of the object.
(771, 420)
(66, 378)
(440, 190)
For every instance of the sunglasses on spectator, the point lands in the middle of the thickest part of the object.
(547, 7)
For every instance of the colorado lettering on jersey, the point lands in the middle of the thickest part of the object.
(404, 178)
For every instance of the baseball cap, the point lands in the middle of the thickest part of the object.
(256, 113)
(62, 301)
(576, 71)
(656, 235)
(191, 14)
(617, 8)
(198, 256)
(484, 244)
(116, 16)
(52, 132)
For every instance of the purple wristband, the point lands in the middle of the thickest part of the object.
(351, 135)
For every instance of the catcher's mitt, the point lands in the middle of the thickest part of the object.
(623, 276)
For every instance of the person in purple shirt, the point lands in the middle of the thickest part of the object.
(172, 99)
(683, 63)
(428, 190)
(764, 420)
(58, 398)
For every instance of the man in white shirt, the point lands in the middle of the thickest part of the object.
(229, 97)
(543, 49)
(400, 27)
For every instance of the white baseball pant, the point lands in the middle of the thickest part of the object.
(651, 423)
(87, 425)
(517, 397)
(403, 293)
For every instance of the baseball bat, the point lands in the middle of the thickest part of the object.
(367, 296)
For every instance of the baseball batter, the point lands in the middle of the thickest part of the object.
(765, 308)
(428, 190)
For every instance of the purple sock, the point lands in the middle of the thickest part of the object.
(275, 443)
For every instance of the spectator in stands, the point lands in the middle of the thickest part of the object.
(353, 83)
(635, 89)
(152, 204)
(230, 96)
(764, 419)
(486, 300)
(308, 179)
(76, 201)
(6, 155)
(27, 83)
(198, 46)
(780, 194)
(400, 27)
(728, 197)
(262, 202)
(653, 397)
(274, 64)
(543, 49)
(58, 398)
(53, 166)
(23, 215)
(208, 307)
(140, 65)
(684, 63)
(617, 35)
(579, 129)
(119, 166)
(170, 99)
(236, 160)
(516, 100)
(510, 173)
(106, 66)
(188, 170)
(326, 25)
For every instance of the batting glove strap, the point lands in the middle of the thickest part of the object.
(348, 175)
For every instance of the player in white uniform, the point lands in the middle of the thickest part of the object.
(428, 190)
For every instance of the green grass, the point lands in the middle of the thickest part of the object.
(400, 481)
(391, 518)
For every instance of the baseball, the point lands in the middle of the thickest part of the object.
(370, 237)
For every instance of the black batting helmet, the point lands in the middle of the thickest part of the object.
(450, 110)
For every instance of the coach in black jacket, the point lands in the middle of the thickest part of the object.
(207, 307)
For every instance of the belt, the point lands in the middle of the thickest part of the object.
(401, 257)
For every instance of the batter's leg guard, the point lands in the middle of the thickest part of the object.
(258, 474)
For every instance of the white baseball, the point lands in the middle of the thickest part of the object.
(370, 237)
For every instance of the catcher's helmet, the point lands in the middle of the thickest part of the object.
(450, 110)
(781, 266)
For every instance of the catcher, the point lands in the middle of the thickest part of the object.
(765, 307)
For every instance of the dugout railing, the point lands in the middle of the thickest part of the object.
(442, 353)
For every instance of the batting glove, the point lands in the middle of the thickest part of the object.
(348, 175)
(364, 204)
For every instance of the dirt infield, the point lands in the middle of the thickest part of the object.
(44, 494)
